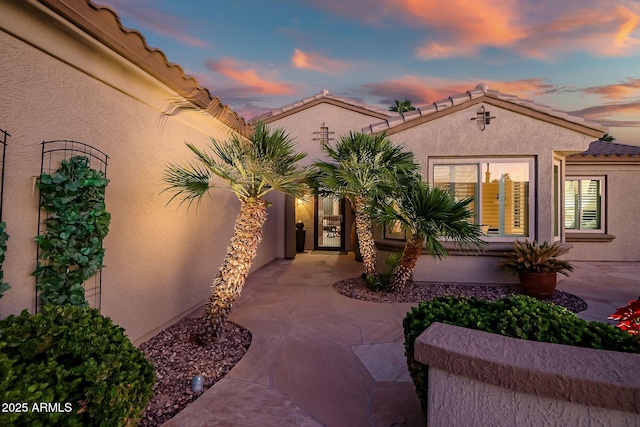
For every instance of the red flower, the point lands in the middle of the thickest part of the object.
(628, 317)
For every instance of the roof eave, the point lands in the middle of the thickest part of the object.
(104, 25)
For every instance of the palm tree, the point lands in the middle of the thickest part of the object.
(402, 106)
(428, 215)
(251, 168)
(364, 168)
(607, 138)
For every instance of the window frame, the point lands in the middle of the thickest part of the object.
(558, 200)
(603, 204)
(478, 161)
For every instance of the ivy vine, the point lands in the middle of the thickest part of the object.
(3, 248)
(71, 247)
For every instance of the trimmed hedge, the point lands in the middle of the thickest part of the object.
(70, 366)
(516, 316)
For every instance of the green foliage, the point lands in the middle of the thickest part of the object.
(402, 106)
(535, 257)
(3, 248)
(391, 261)
(433, 214)
(380, 282)
(249, 168)
(71, 247)
(363, 166)
(515, 316)
(77, 358)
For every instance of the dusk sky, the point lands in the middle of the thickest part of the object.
(580, 56)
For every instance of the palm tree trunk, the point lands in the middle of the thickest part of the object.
(366, 241)
(410, 254)
(230, 280)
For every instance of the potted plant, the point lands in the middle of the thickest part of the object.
(537, 265)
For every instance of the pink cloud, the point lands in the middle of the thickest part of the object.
(248, 78)
(158, 22)
(316, 62)
(425, 90)
(531, 28)
(602, 32)
(628, 88)
(607, 110)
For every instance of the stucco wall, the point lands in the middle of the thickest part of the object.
(510, 134)
(622, 214)
(461, 401)
(303, 123)
(477, 378)
(160, 260)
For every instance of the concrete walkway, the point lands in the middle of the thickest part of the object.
(604, 286)
(321, 359)
(316, 357)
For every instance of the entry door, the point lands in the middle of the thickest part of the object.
(329, 223)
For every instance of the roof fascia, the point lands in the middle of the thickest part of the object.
(325, 100)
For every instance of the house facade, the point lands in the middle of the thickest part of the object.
(524, 163)
(602, 210)
(507, 153)
(70, 71)
(328, 223)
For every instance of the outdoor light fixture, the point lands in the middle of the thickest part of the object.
(483, 118)
(196, 383)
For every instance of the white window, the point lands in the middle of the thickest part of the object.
(502, 190)
(583, 204)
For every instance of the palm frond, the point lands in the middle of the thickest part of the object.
(434, 215)
(190, 182)
(251, 168)
(362, 165)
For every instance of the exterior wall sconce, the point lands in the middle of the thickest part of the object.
(483, 118)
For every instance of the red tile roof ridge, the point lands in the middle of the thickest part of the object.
(323, 94)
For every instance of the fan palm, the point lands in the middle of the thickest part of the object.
(250, 169)
(428, 215)
(363, 169)
(402, 106)
(607, 138)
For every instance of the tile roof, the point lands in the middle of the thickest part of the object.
(324, 95)
(609, 149)
(480, 91)
(103, 24)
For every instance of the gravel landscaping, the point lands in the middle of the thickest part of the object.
(177, 357)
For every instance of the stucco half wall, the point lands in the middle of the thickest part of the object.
(58, 83)
(478, 378)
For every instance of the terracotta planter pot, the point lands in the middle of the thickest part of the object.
(538, 285)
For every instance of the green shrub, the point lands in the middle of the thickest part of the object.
(381, 282)
(516, 316)
(76, 363)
